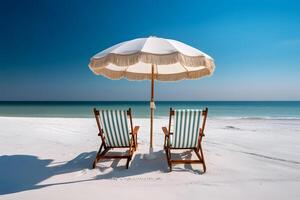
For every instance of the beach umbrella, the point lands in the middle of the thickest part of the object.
(152, 58)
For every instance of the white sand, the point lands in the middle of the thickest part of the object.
(51, 158)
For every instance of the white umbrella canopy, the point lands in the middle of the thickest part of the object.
(133, 60)
(152, 58)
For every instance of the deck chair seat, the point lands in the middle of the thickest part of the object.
(116, 131)
(185, 132)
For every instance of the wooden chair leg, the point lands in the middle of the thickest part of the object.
(168, 155)
(94, 164)
(99, 155)
(128, 161)
(170, 166)
(203, 161)
(130, 153)
(96, 159)
(201, 157)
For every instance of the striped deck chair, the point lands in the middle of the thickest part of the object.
(115, 132)
(186, 133)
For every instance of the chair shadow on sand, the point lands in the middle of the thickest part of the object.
(24, 172)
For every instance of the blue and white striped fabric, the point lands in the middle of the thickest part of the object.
(115, 127)
(186, 128)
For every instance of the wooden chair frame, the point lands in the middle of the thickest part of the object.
(131, 148)
(198, 149)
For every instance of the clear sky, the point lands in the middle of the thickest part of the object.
(45, 47)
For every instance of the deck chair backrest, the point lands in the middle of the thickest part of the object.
(187, 124)
(114, 125)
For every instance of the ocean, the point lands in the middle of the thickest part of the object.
(217, 109)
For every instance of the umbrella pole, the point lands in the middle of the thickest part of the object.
(151, 156)
(152, 108)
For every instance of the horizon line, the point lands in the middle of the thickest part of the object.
(36, 101)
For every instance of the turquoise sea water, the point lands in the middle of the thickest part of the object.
(217, 109)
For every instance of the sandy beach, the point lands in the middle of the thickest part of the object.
(232, 67)
(51, 158)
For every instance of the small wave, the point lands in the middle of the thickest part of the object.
(259, 118)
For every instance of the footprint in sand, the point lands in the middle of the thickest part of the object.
(232, 128)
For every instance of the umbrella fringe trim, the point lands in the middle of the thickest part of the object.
(127, 60)
(115, 75)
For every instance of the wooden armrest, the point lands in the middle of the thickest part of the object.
(165, 130)
(135, 130)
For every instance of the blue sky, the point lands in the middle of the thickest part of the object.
(45, 47)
